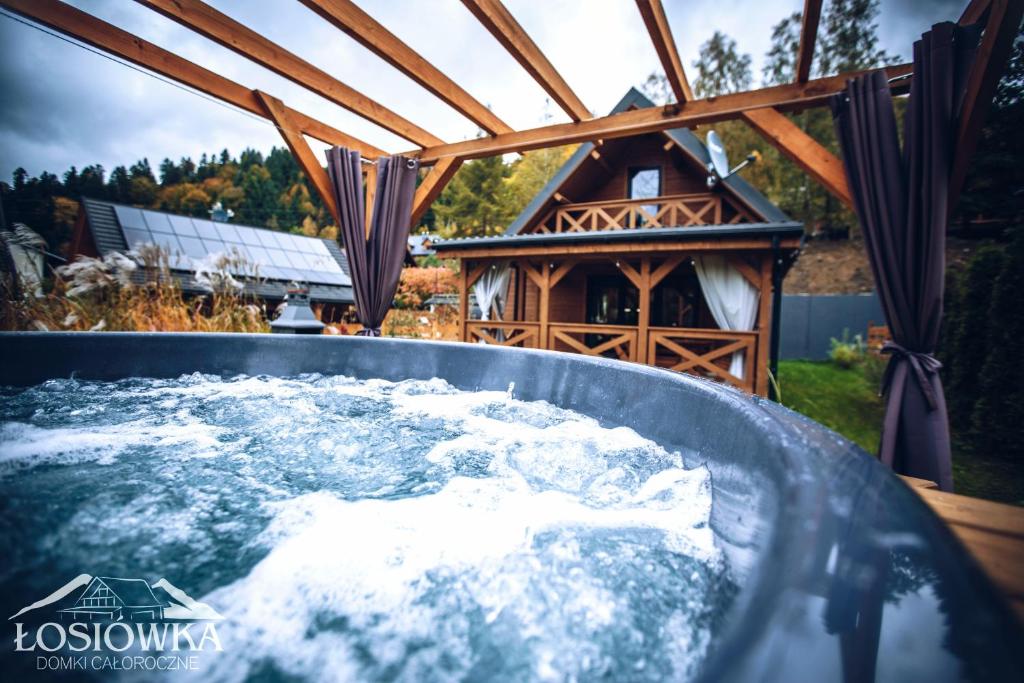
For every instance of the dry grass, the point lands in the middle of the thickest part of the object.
(137, 293)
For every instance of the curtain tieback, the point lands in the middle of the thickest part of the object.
(923, 364)
(368, 332)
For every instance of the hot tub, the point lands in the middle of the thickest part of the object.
(843, 572)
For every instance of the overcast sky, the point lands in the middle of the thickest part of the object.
(61, 105)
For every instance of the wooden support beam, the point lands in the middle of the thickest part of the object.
(88, 29)
(653, 14)
(310, 165)
(503, 26)
(345, 15)
(224, 30)
(644, 312)
(1001, 29)
(562, 271)
(802, 149)
(432, 186)
(612, 249)
(974, 12)
(787, 97)
(764, 328)
(808, 36)
(463, 299)
(670, 264)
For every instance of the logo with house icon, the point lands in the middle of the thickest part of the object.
(89, 598)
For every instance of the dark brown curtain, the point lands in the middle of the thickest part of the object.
(902, 203)
(375, 263)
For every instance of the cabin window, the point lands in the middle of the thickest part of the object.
(645, 183)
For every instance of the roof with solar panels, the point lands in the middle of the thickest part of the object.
(282, 258)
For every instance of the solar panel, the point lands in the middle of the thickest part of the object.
(276, 255)
(157, 222)
(182, 226)
(130, 218)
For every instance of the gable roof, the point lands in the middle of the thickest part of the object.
(282, 257)
(131, 592)
(689, 143)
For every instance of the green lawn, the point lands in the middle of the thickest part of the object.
(839, 398)
(846, 400)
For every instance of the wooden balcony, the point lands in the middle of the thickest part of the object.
(672, 211)
(702, 352)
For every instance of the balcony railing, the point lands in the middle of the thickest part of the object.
(698, 351)
(671, 211)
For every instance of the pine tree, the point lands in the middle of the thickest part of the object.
(720, 68)
(998, 419)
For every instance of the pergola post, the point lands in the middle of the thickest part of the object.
(764, 327)
(644, 314)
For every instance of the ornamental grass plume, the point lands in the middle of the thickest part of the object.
(138, 292)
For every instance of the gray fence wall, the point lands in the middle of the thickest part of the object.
(809, 321)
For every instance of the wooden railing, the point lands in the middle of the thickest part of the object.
(525, 335)
(707, 353)
(703, 352)
(671, 211)
(617, 341)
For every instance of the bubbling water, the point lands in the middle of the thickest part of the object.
(367, 529)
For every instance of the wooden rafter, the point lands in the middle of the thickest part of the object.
(432, 186)
(1001, 28)
(222, 29)
(974, 12)
(372, 35)
(665, 45)
(802, 149)
(87, 28)
(791, 96)
(316, 174)
(808, 36)
(503, 26)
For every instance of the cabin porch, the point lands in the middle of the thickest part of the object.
(635, 303)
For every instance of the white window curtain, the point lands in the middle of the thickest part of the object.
(491, 290)
(731, 298)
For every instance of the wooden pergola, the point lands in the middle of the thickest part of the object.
(761, 108)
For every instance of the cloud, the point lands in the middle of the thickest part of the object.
(65, 106)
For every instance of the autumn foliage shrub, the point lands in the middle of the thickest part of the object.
(419, 284)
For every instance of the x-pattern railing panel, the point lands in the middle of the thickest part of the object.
(704, 352)
(500, 333)
(656, 212)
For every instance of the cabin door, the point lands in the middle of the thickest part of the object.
(611, 300)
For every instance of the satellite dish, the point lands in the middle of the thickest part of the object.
(718, 169)
(719, 161)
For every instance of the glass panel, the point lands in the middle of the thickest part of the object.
(294, 274)
(260, 255)
(192, 246)
(248, 236)
(267, 239)
(130, 218)
(307, 245)
(182, 225)
(645, 183)
(214, 246)
(206, 229)
(271, 272)
(300, 261)
(278, 258)
(157, 222)
(168, 243)
(227, 232)
(137, 237)
(320, 249)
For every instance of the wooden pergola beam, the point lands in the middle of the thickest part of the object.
(88, 29)
(801, 149)
(791, 96)
(222, 29)
(808, 36)
(503, 26)
(1001, 28)
(974, 12)
(653, 14)
(281, 116)
(432, 186)
(372, 35)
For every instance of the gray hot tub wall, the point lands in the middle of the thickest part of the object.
(810, 523)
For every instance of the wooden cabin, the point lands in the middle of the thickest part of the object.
(628, 253)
